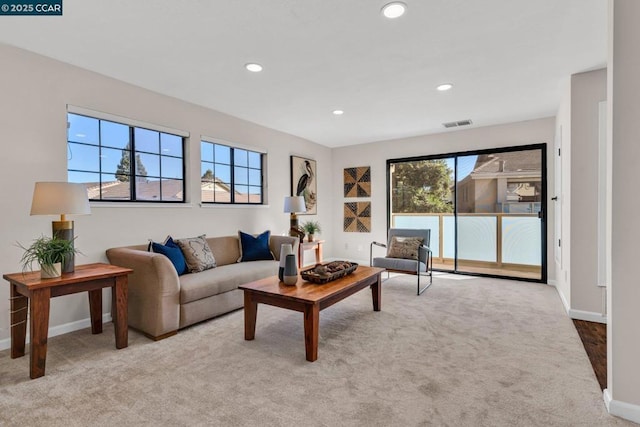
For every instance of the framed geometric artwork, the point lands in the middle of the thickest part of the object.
(304, 182)
(357, 217)
(357, 182)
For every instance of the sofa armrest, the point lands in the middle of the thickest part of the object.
(154, 291)
(275, 242)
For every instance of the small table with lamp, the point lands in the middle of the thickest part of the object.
(304, 246)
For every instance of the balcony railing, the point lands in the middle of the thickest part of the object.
(505, 243)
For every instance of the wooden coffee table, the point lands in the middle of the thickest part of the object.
(308, 298)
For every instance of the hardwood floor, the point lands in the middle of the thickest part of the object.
(488, 270)
(594, 339)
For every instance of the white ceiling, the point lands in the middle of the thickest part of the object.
(506, 58)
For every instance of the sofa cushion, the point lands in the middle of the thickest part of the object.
(404, 247)
(197, 253)
(222, 279)
(398, 264)
(172, 251)
(254, 248)
(226, 249)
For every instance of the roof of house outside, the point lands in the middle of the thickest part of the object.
(145, 190)
(508, 162)
(172, 191)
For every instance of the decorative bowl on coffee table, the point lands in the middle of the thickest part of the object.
(328, 271)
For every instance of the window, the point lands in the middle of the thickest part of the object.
(119, 162)
(230, 174)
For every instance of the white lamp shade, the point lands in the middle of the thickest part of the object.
(60, 198)
(294, 204)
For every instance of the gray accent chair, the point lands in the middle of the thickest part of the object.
(421, 267)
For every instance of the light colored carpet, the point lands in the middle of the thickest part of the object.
(472, 352)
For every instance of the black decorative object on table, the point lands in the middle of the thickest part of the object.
(290, 275)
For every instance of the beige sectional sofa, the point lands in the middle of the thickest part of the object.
(161, 302)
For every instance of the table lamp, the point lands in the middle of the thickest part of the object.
(293, 205)
(61, 198)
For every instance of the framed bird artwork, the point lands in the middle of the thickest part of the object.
(304, 182)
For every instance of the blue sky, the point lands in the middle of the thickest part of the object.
(465, 165)
(162, 151)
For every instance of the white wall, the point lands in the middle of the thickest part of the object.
(587, 91)
(356, 245)
(623, 336)
(34, 93)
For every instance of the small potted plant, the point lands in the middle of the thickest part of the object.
(50, 252)
(311, 228)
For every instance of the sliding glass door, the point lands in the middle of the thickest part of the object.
(485, 209)
(422, 197)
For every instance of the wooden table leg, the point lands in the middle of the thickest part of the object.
(376, 293)
(19, 306)
(311, 326)
(119, 301)
(250, 315)
(95, 310)
(300, 256)
(39, 314)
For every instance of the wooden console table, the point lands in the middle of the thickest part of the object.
(316, 244)
(28, 290)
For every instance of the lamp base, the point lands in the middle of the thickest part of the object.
(293, 224)
(64, 230)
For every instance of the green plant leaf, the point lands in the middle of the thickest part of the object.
(46, 251)
(311, 227)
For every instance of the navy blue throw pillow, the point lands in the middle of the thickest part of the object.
(171, 250)
(255, 248)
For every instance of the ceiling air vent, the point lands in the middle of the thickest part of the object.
(458, 123)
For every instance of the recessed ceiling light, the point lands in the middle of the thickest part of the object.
(338, 112)
(445, 86)
(253, 67)
(394, 9)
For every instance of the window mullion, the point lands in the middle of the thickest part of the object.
(100, 157)
(132, 165)
(261, 178)
(232, 164)
(160, 155)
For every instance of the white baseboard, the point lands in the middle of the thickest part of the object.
(565, 303)
(625, 410)
(60, 329)
(589, 316)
